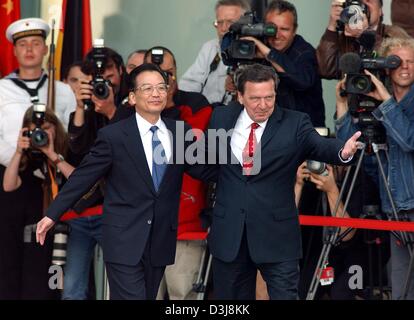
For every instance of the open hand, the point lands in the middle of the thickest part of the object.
(43, 226)
(351, 146)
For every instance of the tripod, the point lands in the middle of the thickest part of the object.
(335, 236)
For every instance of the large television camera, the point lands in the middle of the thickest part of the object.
(358, 85)
(235, 51)
(352, 14)
(95, 64)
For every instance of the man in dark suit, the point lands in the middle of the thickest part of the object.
(142, 189)
(255, 222)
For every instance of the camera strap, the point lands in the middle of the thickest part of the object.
(34, 96)
(213, 67)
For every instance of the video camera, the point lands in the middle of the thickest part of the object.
(352, 14)
(38, 136)
(358, 85)
(235, 51)
(95, 64)
(357, 82)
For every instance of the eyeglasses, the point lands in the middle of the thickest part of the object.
(148, 89)
(220, 23)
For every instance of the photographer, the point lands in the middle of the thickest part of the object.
(396, 114)
(84, 124)
(207, 75)
(83, 127)
(334, 42)
(295, 62)
(353, 248)
(35, 172)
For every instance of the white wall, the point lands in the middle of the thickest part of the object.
(180, 25)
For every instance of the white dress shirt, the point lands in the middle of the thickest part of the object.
(241, 134)
(146, 137)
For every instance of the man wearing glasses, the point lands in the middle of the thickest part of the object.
(208, 74)
(142, 190)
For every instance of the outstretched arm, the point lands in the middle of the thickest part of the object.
(95, 165)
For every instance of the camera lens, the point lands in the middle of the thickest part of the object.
(361, 83)
(244, 48)
(39, 138)
(316, 167)
(101, 90)
(60, 238)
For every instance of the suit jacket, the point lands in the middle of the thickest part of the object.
(264, 204)
(133, 212)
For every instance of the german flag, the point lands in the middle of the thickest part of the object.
(75, 34)
(9, 12)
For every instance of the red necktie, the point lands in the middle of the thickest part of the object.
(249, 150)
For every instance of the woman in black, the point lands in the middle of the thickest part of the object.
(33, 177)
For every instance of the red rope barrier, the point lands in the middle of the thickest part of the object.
(356, 223)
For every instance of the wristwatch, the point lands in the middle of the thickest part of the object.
(59, 159)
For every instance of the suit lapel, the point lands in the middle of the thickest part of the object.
(135, 149)
(229, 125)
(271, 127)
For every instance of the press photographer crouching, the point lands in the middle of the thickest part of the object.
(38, 168)
(395, 112)
(352, 247)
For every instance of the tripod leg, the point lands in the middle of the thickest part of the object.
(323, 258)
(408, 278)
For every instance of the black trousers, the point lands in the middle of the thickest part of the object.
(24, 267)
(236, 280)
(140, 282)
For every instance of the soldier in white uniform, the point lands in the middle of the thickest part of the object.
(28, 84)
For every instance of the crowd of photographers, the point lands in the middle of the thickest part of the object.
(375, 65)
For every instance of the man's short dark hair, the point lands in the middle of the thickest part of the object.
(243, 4)
(110, 55)
(283, 6)
(166, 50)
(65, 74)
(132, 83)
(256, 73)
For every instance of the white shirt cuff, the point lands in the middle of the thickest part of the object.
(344, 160)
